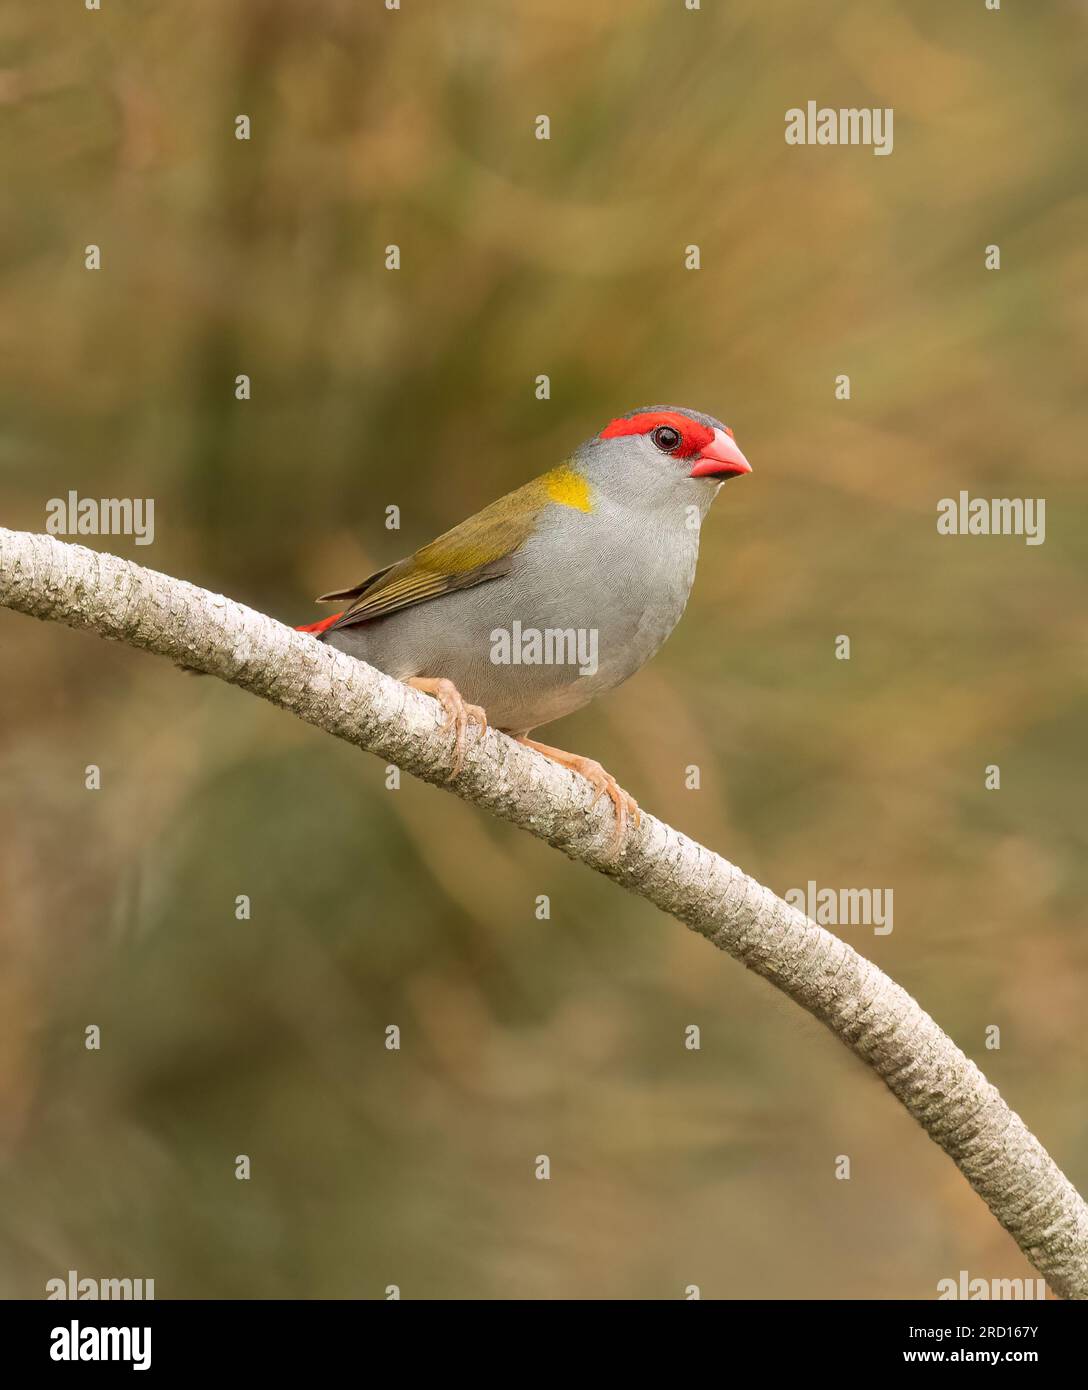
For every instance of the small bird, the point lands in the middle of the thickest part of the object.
(555, 593)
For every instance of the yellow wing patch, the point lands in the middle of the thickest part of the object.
(568, 488)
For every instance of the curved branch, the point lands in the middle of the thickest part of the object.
(944, 1091)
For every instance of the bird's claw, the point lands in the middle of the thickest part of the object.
(457, 710)
(602, 782)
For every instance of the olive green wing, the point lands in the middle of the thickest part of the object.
(481, 548)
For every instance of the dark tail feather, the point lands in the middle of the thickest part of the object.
(357, 590)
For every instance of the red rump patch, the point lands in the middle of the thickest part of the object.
(319, 626)
(693, 435)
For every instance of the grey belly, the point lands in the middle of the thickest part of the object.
(626, 599)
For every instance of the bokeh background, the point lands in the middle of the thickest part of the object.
(415, 388)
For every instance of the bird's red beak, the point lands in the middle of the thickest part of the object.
(720, 457)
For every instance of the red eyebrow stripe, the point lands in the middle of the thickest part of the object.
(694, 435)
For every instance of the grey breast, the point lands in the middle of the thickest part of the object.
(589, 599)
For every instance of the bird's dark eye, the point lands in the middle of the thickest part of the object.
(666, 438)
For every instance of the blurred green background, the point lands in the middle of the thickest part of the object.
(415, 388)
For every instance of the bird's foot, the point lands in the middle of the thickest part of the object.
(459, 712)
(602, 782)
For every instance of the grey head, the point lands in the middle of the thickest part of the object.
(660, 456)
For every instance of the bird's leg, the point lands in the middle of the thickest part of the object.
(458, 712)
(603, 783)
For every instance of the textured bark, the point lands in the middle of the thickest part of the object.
(944, 1091)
